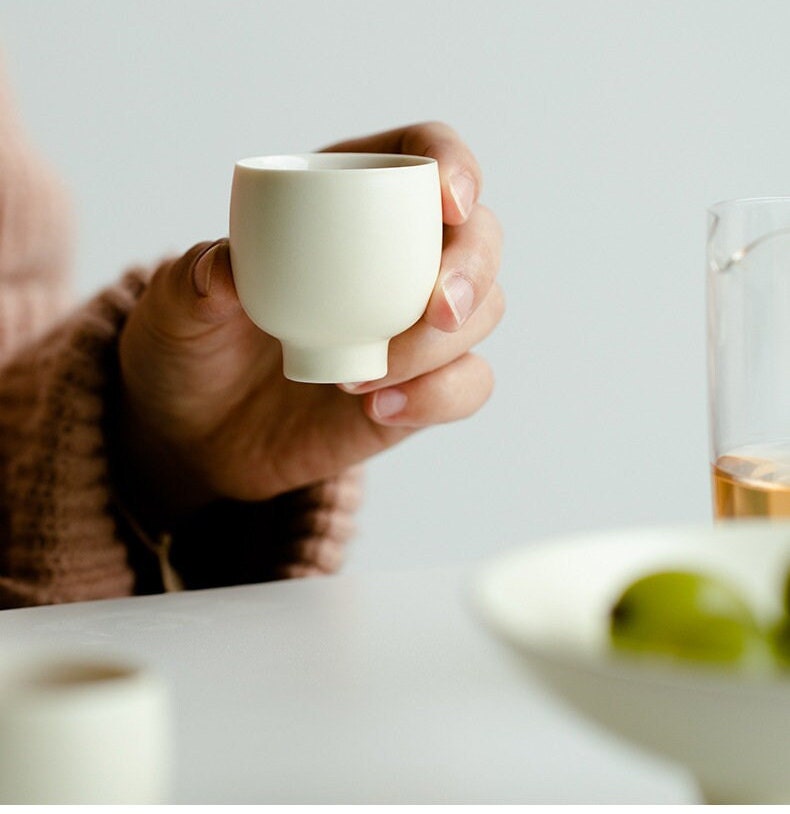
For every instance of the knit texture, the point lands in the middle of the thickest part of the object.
(58, 535)
(64, 535)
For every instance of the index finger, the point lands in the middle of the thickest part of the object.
(459, 172)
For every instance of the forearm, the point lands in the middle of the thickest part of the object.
(36, 231)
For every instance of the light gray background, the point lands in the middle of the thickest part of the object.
(604, 130)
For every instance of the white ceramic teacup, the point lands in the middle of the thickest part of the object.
(82, 730)
(334, 254)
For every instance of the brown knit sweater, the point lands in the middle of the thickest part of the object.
(64, 533)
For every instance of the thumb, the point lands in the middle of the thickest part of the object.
(196, 291)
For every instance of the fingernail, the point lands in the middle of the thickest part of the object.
(462, 188)
(460, 296)
(388, 402)
(351, 387)
(201, 273)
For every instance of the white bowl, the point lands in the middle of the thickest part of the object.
(550, 603)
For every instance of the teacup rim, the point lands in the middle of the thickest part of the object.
(333, 162)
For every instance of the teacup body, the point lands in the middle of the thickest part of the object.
(334, 254)
(77, 730)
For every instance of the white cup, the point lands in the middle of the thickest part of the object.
(82, 730)
(334, 254)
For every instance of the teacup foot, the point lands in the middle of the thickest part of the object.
(336, 364)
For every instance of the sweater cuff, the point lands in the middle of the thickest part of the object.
(296, 534)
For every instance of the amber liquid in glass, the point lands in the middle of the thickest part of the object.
(753, 481)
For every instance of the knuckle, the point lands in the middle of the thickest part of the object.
(439, 140)
(490, 221)
(484, 378)
(474, 378)
(477, 249)
(499, 303)
(430, 131)
(483, 263)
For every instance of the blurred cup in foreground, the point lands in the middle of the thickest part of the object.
(82, 730)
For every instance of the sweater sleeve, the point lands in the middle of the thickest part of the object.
(63, 533)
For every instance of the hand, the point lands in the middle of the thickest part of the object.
(207, 412)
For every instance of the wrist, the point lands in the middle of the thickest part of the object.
(157, 483)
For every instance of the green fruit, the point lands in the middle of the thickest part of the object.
(780, 632)
(779, 636)
(684, 615)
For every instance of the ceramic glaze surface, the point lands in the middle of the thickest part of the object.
(82, 730)
(334, 254)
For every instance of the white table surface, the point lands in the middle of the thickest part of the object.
(359, 688)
